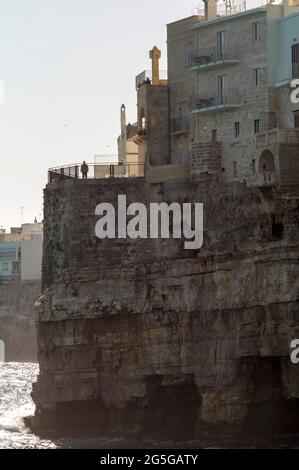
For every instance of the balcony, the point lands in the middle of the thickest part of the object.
(278, 136)
(179, 125)
(212, 101)
(99, 170)
(262, 179)
(145, 78)
(213, 58)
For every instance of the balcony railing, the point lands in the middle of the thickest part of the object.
(216, 100)
(213, 56)
(179, 125)
(96, 171)
(145, 78)
(268, 121)
(266, 178)
(278, 136)
(230, 8)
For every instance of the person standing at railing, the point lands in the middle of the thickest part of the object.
(84, 170)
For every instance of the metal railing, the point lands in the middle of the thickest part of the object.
(97, 171)
(213, 55)
(278, 136)
(266, 178)
(179, 124)
(145, 77)
(216, 98)
(231, 8)
(268, 121)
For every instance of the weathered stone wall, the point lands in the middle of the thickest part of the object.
(17, 326)
(182, 82)
(153, 105)
(142, 337)
(161, 173)
(206, 160)
(289, 163)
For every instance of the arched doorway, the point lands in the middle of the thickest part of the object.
(266, 163)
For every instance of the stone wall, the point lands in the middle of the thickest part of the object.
(206, 160)
(158, 174)
(182, 81)
(143, 338)
(17, 326)
(289, 164)
(153, 106)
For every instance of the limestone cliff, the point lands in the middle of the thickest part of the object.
(144, 338)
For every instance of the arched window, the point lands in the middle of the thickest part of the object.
(266, 163)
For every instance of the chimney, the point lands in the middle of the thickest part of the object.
(210, 9)
(289, 6)
(155, 55)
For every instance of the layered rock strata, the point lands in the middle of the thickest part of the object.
(144, 338)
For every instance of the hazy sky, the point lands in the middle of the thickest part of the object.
(68, 65)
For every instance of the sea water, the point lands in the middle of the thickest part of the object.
(15, 403)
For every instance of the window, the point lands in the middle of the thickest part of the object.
(257, 126)
(142, 121)
(221, 45)
(296, 119)
(15, 268)
(5, 267)
(235, 169)
(8, 254)
(255, 31)
(222, 89)
(257, 77)
(253, 166)
(184, 158)
(188, 56)
(214, 135)
(295, 60)
(236, 129)
(182, 117)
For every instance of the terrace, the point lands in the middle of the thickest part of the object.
(218, 100)
(97, 171)
(278, 136)
(213, 58)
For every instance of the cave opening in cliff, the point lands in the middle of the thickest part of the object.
(172, 410)
(277, 229)
(269, 411)
(76, 418)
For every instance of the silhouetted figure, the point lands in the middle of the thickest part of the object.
(84, 170)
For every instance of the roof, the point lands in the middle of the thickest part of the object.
(236, 16)
(184, 19)
(132, 130)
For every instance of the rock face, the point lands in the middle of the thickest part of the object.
(145, 338)
(17, 326)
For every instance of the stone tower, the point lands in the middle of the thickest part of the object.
(123, 138)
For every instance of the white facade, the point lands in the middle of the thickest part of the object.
(31, 258)
(27, 244)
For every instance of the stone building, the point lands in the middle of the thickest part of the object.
(20, 286)
(225, 111)
(140, 338)
(127, 145)
(21, 252)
